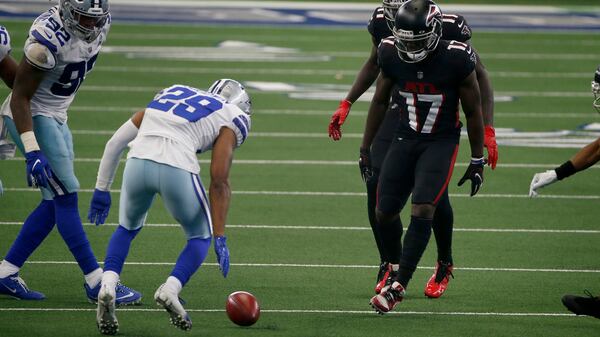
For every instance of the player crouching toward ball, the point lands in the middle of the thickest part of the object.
(164, 139)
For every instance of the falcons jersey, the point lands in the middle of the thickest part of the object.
(4, 43)
(454, 27)
(182, 121)
(427, 92)
(66, 60)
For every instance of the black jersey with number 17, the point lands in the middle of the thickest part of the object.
(427, 92)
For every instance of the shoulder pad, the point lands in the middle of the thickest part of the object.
(4, 43)
(455, 27)
(39, 56)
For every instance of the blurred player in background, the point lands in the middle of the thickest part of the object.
(431, 76)
(8, 69)
(180, 122)
(586, 157)
(62, 47)
(454, 27)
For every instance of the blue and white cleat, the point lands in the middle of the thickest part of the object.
(14, 286)
(124, 295)
(106, 319)
(172, 304)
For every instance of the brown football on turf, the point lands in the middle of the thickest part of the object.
(242, 308)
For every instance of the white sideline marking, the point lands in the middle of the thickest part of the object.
(360, 194)
(334, 312)
(356, 228)
(324, 163)
(343, 266)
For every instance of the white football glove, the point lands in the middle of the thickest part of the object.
(541, 180)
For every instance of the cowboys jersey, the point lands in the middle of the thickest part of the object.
(66, 60)
(4, 43)
(427, 92)
(454, 27)
(182, 121)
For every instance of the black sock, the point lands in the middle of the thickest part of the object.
(391, 238)
(371, 205)
(443, 223)
(415, 242)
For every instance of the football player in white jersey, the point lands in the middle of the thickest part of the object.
(8, 69)
(62, 47)
(164, 139)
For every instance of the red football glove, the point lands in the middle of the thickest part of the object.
(489, 142)
(338, 118)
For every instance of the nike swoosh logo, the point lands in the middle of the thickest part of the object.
(126, 296)
(14, 291)
(35, 164)
(461, 24)
(48, 35)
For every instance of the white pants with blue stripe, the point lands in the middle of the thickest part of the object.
(181, 191)
(56, 143)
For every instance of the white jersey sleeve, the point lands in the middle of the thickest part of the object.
(4, 43)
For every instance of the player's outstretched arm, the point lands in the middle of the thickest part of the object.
(586, 157)
(471, 104)
(220, 192)
(101, 201)
(8, 70)
(364, 79)
(487, 106)
(27, 80)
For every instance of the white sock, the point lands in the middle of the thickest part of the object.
(92, 279)
(110, 279)
(173, 284)
(7, 269)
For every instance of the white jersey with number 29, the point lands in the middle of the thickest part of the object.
(182, 121)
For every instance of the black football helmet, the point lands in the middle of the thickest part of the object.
(596, 89)
(417, 29)
(390, 7)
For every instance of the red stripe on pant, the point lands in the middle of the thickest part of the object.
(435, 201)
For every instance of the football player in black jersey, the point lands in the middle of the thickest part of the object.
(454, 27)
(429, 78)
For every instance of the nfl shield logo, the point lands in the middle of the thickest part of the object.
(420, 75)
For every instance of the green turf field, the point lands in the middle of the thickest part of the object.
(298, 230)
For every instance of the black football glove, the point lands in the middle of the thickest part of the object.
(475, 174)
(364, 163)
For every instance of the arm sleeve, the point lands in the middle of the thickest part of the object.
(112, 154)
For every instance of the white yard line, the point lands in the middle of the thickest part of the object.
(310, 72)
(311, 311)
(95, 108)
(357, 228)
(345, 266)
(362, 194)
(324, 163)
(143, 89)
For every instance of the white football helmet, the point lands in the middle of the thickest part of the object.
(84, 18)
(390, 7)
(233, 92)
(596, 89)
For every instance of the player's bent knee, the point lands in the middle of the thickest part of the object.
(423, 211)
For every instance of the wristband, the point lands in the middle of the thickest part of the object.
(565, 170)
(29, 142)
(477, 161)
